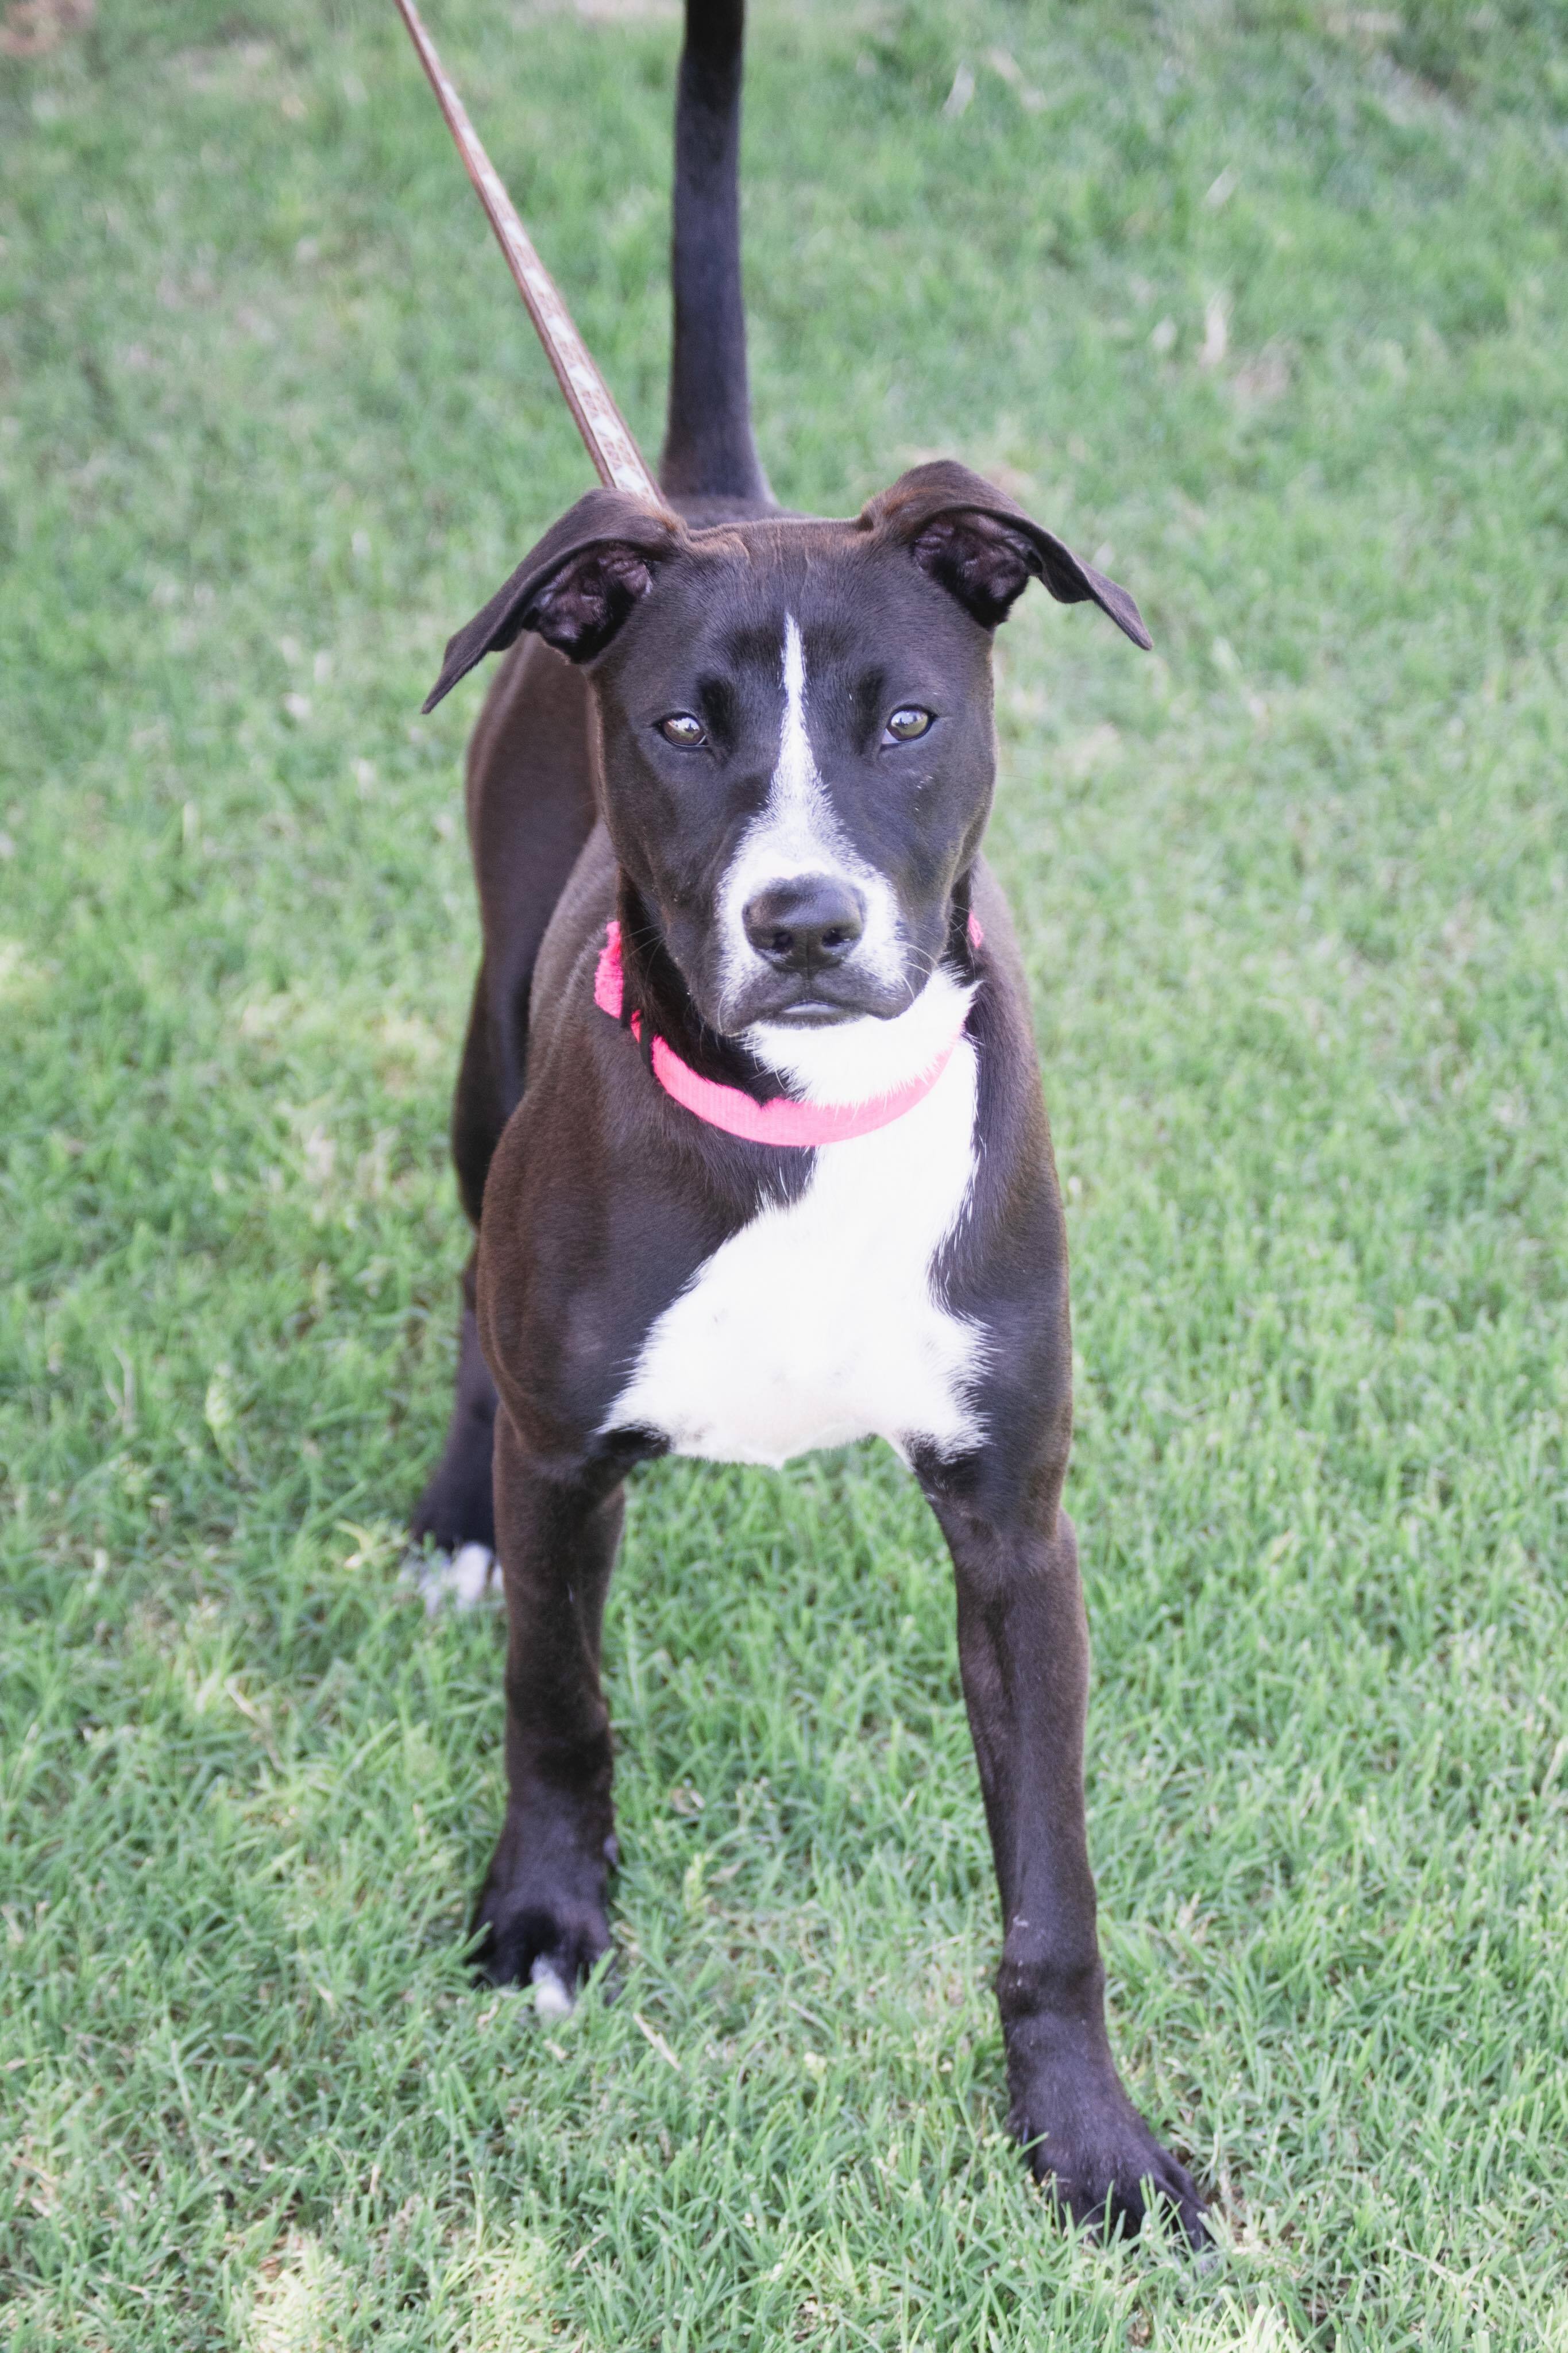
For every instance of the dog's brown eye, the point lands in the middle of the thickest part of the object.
(907, 724)
(682, 729)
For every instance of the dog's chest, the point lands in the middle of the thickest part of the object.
(820, 1322)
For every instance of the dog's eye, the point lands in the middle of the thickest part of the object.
(682, 729)
(906, 724)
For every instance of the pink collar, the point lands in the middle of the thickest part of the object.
(781, 1120)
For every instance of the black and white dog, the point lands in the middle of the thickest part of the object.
(751, 1101)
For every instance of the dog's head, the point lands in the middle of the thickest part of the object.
(796, 727)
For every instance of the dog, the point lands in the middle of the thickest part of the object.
(750, 1105)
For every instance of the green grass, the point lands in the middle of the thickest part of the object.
(1295, 893)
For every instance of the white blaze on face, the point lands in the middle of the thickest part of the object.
(795, 834)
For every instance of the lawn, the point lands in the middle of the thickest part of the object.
(1264, 307)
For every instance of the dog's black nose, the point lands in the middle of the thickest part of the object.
(807, 924)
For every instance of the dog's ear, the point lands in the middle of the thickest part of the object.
(981, 546)
(575, 588)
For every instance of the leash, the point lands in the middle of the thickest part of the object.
(617, 458)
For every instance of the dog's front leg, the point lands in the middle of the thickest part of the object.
(542, 1909)
(1024, 1655)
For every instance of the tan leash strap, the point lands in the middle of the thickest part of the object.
(616, 457)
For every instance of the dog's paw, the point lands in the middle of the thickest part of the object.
(551, 1997)
(552, 1948)
(458, 1507)
(1103, 2165)
(540, 1926)
(467, 1578)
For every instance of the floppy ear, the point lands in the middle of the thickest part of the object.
(981, 546)
(575, 588)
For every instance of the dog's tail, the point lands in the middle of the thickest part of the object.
(707, 445)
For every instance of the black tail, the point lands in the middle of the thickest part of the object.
(707, 445)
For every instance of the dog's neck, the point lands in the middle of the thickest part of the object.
(847, 1062)
(654, 988)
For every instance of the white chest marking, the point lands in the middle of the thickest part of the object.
(818, 1321)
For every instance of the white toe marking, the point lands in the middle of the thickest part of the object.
(551, 1997)
(466, 1580)
(471, 1574)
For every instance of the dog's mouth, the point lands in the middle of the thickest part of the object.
(818, 1000)
(819, 1009)
(819, 1013)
